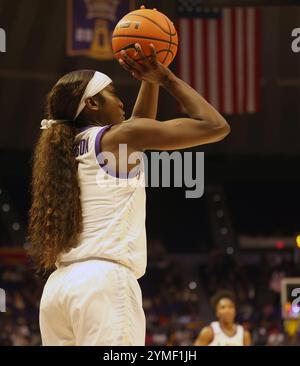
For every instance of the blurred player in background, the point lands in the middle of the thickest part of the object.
(224, 332)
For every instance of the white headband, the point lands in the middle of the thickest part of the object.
(99, 82)
(96, 85)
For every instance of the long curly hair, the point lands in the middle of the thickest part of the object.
(55, 217)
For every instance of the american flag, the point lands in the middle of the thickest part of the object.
(220, 54)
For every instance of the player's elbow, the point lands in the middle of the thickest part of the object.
(220, 132)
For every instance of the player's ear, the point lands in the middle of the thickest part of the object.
(93, 104)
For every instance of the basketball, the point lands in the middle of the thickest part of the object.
(146, 26)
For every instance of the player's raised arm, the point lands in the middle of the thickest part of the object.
(204, 125)
(142, 108)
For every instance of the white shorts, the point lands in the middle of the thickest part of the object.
(92, 303)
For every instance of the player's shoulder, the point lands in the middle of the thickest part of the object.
(129, 130)
(205, 336)
(207, 331)
(88, 131)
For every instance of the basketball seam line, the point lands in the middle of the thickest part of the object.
(164, 50)
(167, 54)
(154, 39)
(154, 22)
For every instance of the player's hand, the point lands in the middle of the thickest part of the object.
(144, 7)
(148, 68)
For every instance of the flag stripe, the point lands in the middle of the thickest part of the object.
(206, 68)
(179, 60)
(184, 50)
(213, 60)
(228, 109)
(251, 60)
(240, 56)
(192, 53)
(257, 53)
(198, 56)
(234, 58)
(245, 68)
(220, 65)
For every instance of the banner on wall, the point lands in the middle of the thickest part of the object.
(90, 26)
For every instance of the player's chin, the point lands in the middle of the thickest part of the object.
(118, 119)
(229, 319)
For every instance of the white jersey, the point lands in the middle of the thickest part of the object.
(114, 211)
(222, 339)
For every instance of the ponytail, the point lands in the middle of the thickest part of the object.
(55, 217)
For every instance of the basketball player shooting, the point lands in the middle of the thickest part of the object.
(224, 332)
(83, 226)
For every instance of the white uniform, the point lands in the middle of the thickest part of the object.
(93, 298)
(222, 339)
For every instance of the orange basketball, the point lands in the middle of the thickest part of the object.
(146, 26)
